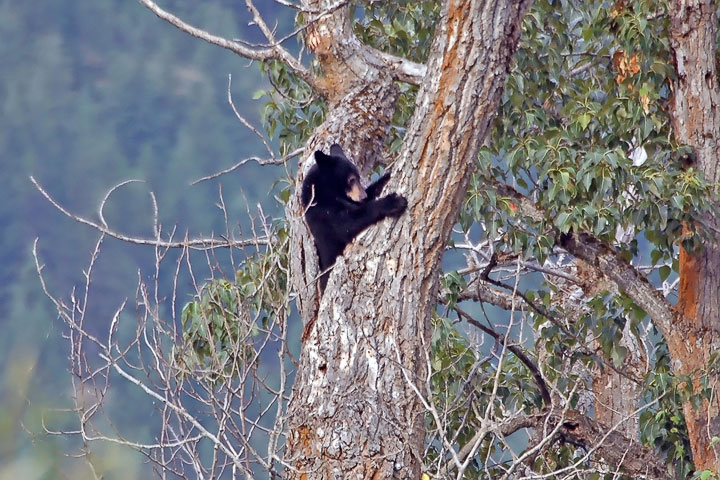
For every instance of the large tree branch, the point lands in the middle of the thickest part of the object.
(629, 456)
(608, 262)
(634, 284)
(403, 69)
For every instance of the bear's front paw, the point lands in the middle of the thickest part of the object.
(394, 205)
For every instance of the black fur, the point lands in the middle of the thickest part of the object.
(333, 217)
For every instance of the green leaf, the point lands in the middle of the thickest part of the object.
(647, 127)
(561, 222)
(564, 178)
(678, 201)
(600, 225)
(664, 272)
(655, 256)
(584, 120)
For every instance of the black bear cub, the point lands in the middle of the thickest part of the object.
(338, 207)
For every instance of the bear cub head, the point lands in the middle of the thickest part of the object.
(332, 177)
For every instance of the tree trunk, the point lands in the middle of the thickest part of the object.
(696, 122)
(356, 410)
(616, 395)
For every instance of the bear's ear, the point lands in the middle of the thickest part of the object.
(337, 150)
(323, 160)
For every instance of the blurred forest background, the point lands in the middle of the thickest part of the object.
(94, 93)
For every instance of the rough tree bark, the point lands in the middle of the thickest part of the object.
(696, 122)
(616, 395)
(355, 411)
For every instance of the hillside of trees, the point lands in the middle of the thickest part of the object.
(94, 93)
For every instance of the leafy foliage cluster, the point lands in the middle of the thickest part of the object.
(592, 149)
(223, 323)
(405, 28)
(217, 330)
(291, 111)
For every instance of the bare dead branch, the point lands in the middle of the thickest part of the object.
(195, 244)
(229, 404)
(259, 161)
(247, 124)
(516, 350)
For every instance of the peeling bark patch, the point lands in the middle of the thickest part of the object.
(451, 58)
(305, 439)
(698, 425)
